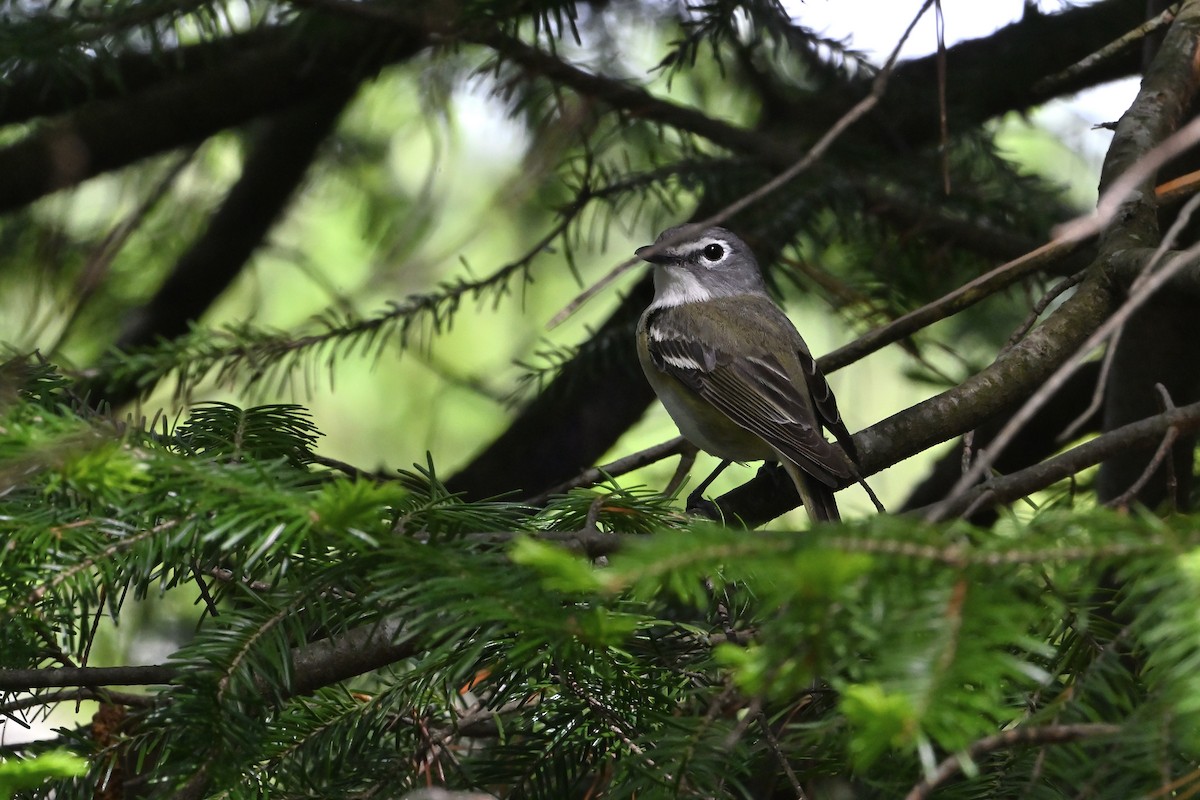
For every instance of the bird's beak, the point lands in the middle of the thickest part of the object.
(657, 258)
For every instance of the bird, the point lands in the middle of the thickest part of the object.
(732, 370)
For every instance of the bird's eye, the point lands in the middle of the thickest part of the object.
(714, 252)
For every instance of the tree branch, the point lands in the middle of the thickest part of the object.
(1017, 737)
(961, 298)
(38, 90)
(273, 170)
(108, 134)
(318, 664)
(1004, 489)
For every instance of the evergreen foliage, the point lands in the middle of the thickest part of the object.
(694, 660)
(346, 634)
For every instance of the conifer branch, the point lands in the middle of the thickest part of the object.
(1006, 488)
(321, 663)
(1024, 736)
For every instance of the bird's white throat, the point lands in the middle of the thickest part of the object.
(676, 286)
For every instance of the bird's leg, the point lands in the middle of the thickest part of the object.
(774, 472)
(696, 504)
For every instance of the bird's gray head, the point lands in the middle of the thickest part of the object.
(701, 265)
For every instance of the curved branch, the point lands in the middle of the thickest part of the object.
(961, 298)
(1024, 736)
(318, 664)
(189, 107)
(1135, 435)
(273, 171)
(38, 90)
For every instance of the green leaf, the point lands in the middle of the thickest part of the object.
(30, 773)
(879, 721)
(561, 571)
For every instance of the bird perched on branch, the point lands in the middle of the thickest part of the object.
(732, 370)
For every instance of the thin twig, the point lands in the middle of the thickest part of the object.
(615, 469)
(76, 695)
(1177, 188)
(687, 459)
(1160, 455)
(1050, 83)
(101, 259)
(1146, 285)
(951, 303)
(939, 19)
(1040, 307)
(341, 466)
(1039, 476)
(1027, 325)
(780, 757)
(609, 717)
(1017, 737)
(1110, 354)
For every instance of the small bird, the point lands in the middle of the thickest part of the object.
(732, 370)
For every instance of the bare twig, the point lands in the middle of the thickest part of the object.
(1017, 737)
(341, 466)
(1050, 83)
(101, 259)
(608, 716)
(615, 469)
(964, 296)
(943, 121)
(1147, 284)
(1040, 307)
(76, 695)
(1160, 455)
(1097, 400)
(1177, 188)
(687, 459)
(780, 756)
(1185, 419)
(16, 680)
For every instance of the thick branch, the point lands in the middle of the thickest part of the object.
(41, 90)
(1000, 72)
(315, 665)
(1119, 442)
(108, 134)
(1157, 344)
(1038, 440)
(574, 421)
(273, 170)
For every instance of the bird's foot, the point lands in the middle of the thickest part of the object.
(699, 506)
(774, 472)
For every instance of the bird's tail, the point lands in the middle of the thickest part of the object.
(818, 498)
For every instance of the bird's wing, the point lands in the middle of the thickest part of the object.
(759, 394)
(825, 403)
